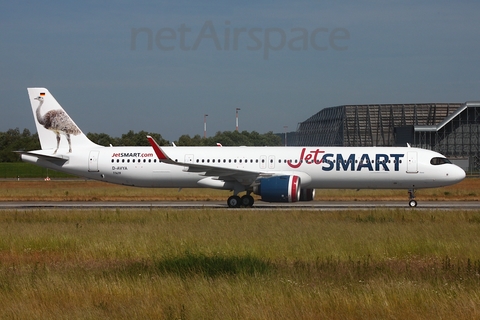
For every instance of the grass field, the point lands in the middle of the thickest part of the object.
(236, 264)
(87, 190)
(14, 170)
(239, 264)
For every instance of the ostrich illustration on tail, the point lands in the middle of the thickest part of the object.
(57, 121)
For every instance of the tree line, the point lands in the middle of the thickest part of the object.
(16, 140)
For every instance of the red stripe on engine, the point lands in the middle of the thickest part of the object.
(294, 188)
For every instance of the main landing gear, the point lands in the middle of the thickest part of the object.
(236, 202)
(411, 194)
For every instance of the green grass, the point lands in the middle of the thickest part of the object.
(239, 264)
(14, 170)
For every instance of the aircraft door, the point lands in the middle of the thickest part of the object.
(263, 162)
(412, 163)
(271, 162)
(93, 161)
(188, 159)
(240, 162)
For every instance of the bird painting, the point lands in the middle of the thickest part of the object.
(58, 122)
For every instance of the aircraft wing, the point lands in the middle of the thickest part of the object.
(245, 177)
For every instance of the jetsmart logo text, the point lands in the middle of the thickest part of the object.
(132, 155)
(351, 162)
(228, 38)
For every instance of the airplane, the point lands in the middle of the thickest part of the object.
(276, 174)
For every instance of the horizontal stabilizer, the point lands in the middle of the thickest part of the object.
(53, 158)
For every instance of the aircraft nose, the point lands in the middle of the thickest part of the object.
(456, 174)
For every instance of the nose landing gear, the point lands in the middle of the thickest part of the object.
(411, 194)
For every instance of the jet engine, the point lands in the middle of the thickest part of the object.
(307, 194)
(279, 189)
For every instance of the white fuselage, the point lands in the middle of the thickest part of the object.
(317, 167)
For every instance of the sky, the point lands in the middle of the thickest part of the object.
(160, 66)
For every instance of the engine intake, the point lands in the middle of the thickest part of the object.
(279, 189)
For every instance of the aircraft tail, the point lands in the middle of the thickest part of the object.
(56, 130)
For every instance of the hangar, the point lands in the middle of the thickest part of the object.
(453, 129)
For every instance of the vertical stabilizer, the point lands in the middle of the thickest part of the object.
(56, 130)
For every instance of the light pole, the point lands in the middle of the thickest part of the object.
(285, 129)
(236, 118)
(205, 125)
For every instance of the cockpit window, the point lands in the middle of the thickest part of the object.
(437, 161)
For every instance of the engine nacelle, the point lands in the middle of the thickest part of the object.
(279, 189)
(307, 194)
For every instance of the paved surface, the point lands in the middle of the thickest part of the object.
(313, 205)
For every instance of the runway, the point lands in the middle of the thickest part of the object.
(312, 205)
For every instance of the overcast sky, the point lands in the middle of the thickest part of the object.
(159, 66)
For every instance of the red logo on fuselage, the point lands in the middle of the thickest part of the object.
(310, 157)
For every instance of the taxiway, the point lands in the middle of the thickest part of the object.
(318, 205)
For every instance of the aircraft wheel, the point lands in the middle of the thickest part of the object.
(412, 203)
(247, 201)
(234, 202)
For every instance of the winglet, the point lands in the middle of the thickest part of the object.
(158, 151)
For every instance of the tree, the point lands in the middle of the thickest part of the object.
(186, 140)
(102, 139)
(140, 139)
(13, 140)
(232, 138)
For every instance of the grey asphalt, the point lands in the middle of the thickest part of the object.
(313, 205)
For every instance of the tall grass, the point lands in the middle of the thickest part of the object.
(239, 264)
